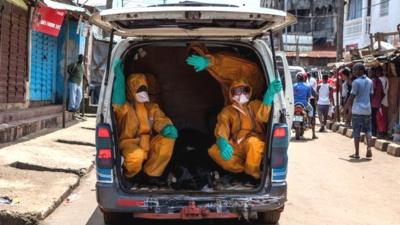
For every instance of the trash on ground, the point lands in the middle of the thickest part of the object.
(72, 198)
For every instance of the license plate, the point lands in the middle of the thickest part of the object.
(298, 119)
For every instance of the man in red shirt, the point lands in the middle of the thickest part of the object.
(376, 98)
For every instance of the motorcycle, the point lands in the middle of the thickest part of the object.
(300, 120)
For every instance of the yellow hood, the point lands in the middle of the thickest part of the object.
(239, 83)
(133, 83)
(197, 47)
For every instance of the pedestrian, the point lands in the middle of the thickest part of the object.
(376, 98)
(325, 100)
(312, 82)
(76, 74)
(382, 115)
(346, 85)
(346, 90)
(360, 103)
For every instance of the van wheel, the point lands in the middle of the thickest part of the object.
(270, 217)
(112, 218)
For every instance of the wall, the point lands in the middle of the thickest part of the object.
(356, 31)
(385, 23)
(13, 55)
(316, 18)
(76, 46)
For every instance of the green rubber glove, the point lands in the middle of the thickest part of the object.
(274, 87)
(225, 148)
(199, 62)
(170, 131)
(119, 95)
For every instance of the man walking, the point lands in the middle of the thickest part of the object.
(360, 102)
(76, 74)
(325, 100)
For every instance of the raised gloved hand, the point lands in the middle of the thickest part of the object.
(274, 87)
(199, 62)
(170, 131)
(225, 148)
(119, 95)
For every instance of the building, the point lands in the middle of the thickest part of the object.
(312, 40)
(316, 18)
(32, 40)
(365, 17)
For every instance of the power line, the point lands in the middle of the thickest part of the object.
(376, 4)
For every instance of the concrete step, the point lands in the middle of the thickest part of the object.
(29, 113)
(394, 150)
(17, 129)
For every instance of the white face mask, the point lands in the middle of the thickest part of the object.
(241, 99)
(142, 96)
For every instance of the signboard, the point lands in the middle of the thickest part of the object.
(48, 20)
(351, 47)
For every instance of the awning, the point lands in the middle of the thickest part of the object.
(63, 6)
(314, 54)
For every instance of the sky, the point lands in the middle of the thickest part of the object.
(248, 3)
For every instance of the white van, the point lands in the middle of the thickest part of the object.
(155, 41)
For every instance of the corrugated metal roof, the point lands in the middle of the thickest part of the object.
(20, 3)
(63, 6)
(314, 54)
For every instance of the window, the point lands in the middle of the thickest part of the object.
(369, 8)
(354, 10)
(384, 7)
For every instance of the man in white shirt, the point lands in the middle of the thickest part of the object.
(325, 99)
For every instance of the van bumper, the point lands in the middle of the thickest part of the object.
(112, 199)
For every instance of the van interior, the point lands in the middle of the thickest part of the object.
(192, 100)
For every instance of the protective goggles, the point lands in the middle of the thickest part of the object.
(142, 88)
(240, 90)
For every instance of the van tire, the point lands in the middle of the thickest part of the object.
(112, 218)
(270, 217)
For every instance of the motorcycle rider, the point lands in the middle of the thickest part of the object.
(302, 93)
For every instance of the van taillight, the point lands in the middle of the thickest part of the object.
(104, 146)
(104, 154)
(103, 132)
(280, 132)
(279, 157)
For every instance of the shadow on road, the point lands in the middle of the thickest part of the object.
(97, 219)
(356, 160)
(293, 139)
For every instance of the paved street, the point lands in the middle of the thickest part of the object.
(325, 187)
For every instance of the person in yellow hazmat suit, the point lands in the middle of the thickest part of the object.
(226, 67)
(146, 135)
(240, 130)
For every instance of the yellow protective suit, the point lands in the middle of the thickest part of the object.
(226, 67)
(139, 125)
(243, 127)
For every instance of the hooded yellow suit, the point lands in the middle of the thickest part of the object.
(243, 126)
(226, 67)
(139, 125)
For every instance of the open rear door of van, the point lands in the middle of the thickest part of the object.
(192, 21)
(286, 78)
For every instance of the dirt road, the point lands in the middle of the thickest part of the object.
(325, 187)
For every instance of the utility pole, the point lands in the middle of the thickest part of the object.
(339, 47)
(109, 4)
(339, 28)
